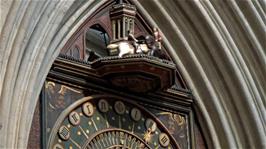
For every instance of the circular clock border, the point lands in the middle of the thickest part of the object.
(78, 103)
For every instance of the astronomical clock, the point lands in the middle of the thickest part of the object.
(113, 86)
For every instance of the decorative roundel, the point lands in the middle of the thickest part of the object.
(88, 109)
(103, 105)
(119, 107)
(74, 118)
(64, 133)
(151, 125)
(164, 139)
(135, 114)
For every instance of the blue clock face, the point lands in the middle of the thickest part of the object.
(107, 122)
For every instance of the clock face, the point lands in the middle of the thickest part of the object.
(107, 122)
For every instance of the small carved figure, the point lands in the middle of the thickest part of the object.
(92, 56)
(140, 46)
(124, 48)
(154, 43)
(133, 40)
(150, 41)
(131, 37)
(151, 45)
(158, 37)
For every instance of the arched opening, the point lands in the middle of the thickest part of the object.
(96, 40)
(217, 45)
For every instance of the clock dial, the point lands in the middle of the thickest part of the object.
(115, 139)
(103, 122)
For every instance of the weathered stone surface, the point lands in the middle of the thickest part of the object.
(219, 46)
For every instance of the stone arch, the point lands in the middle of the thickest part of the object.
(218, 47)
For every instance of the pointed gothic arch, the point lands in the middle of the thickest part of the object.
(92, 38)
(29, 46)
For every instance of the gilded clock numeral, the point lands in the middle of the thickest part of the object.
(64, 133)
(125, 139)
(119, 107)
(164, 140)
(122, 138)
(129, 140)
(133, 141)
(74, 118)
(135, 114)
(150, 125)
(88, 109)
(103, 105)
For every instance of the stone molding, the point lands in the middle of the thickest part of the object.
(219, 47)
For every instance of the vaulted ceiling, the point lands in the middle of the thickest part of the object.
(219, 47)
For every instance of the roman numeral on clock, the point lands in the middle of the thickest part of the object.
(64, 133)
(74, 118)
(164, 140)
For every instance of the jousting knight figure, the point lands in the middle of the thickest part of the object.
(123, 41)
